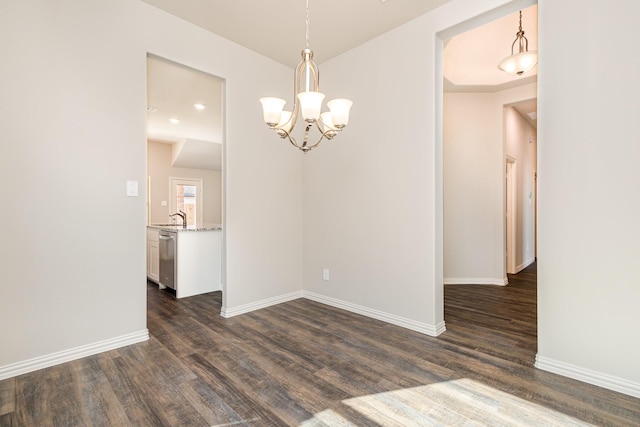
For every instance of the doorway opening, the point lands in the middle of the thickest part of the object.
(472, 145)
(520, 135)
(185, 138)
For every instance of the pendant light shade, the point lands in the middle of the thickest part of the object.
(340, 112)
(519, 63)
(272, 109)
(310, 105)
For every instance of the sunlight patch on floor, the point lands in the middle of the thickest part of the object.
(462, 402)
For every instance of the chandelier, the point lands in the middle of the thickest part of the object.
(307, 101)
(523, 61)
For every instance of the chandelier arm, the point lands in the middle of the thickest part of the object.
(306, 147)
(296, 104)
(293, 141)
(519, 38)
(290, 137)
(330, 131)
(305, 64)
(306, 135)
(513, 44)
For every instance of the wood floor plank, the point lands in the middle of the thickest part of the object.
(213, 408)
(232, 388)
(8, 420)
(50, 396)
(7, 396)
(308, 364)
(97, 400)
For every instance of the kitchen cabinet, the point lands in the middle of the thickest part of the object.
(197, 258)
(153, 255)
(198, 262)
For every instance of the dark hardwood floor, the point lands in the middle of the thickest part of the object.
(303, 363)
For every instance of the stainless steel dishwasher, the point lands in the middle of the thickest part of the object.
(167, 249)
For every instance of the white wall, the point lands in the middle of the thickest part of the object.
(371, 195)
(73, 121)
(476, 137)
(588, 183)
(159, 169)
(473, 190)
(520, 143)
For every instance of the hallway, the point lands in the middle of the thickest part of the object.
(497, 320)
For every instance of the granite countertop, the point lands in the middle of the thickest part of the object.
(176, 227)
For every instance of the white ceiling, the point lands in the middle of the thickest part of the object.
(275, 28)
(172, 92)
(471, 58)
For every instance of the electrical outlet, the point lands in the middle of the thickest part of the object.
(325, 274)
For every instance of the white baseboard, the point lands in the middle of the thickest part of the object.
(242, 309)
(432, 330)
(524, 265)
(588, 376)
(424, 328)
(475, 281)
(19, 368)
(34, 364)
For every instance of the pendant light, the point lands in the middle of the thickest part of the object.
(523, 61)
(307, 102)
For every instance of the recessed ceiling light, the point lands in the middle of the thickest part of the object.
(174, 121)
(200, 106)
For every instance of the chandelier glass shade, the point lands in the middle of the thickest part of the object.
(523, 61)
(307, 103)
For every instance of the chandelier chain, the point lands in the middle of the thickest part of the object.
(520, 27)
(307, 26)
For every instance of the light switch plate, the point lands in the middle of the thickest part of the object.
(163, 203)
(132, 188)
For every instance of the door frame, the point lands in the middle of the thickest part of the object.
(198, 182)
(511, 213)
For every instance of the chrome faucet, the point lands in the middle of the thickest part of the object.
(182, 215)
